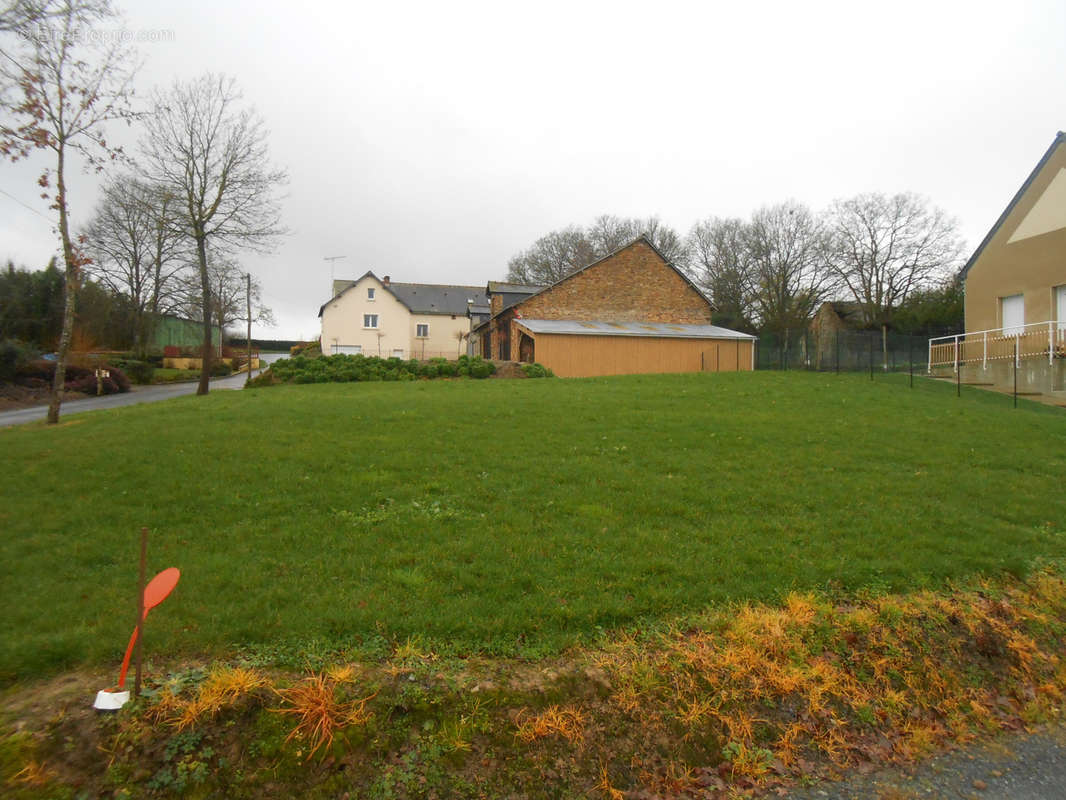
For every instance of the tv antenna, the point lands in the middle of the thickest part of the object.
(332, 260)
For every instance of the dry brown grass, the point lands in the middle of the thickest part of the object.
(223, 688)
(319, 710)
(604, 785)
(566, 722)
(881, 677)
(35, 774)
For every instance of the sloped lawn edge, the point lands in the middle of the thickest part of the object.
(737, 701)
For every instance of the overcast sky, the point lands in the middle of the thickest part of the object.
(431, 142)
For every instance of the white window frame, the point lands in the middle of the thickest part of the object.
(421, 330)
(368, 319)
(397, 352)
(370, 293)
(357, 347)
(1060, 306)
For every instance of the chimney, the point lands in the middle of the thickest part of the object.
(386, 280)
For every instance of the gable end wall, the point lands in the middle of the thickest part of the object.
(1031, 267)
(634, 285)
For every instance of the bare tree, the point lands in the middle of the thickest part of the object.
(69, 87)
(884, 247)
(721, 264)
(229, 296)
(787, 249)
(552, 257)
(19, 16)
(137, 252)
(211, 154)
(560, 253)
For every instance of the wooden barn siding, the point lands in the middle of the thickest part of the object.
(589, 356)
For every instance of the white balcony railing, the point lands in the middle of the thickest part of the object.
(1035, 340)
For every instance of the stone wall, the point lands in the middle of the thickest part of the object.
(633, 285)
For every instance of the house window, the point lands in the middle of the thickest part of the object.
(348, 349)
(422, 330)
(1012, 310)
(397, 353)
(370, 320)
(370, 293)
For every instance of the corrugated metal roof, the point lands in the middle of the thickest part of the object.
(650, 329)
(495, 287)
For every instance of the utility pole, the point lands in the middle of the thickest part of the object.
(331, 260)
(248, 298)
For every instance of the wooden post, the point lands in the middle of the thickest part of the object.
(140, 613)
(248, 297)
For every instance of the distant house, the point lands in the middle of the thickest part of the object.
(629, 312)
(833, 318)
(377, 316)
(170, 330)
(1015, 289)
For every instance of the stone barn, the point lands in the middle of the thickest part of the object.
(630, 312)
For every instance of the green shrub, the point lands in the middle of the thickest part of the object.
(138, 371)
(345, 368)
(262, 379)
(75, 378)
(537, 371)
(14, 354)
(220, 369)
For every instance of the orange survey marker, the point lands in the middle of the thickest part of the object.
(154, 593)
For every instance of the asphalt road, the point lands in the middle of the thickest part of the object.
(1018, 766)
(139, 394)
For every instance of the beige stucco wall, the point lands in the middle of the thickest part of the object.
(342, 324)
(1031, 265)
(342, 321)
(441, 342)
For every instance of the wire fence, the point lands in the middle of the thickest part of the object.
(843, 351)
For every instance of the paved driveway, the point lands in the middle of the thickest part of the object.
(146, 394)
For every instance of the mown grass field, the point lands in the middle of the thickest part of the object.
(510, 517)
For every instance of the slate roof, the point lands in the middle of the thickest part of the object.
(658, 330)
(433, 298)
(421, 298)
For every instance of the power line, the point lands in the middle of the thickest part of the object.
(28, 207)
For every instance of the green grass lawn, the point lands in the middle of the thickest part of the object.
(506, 516)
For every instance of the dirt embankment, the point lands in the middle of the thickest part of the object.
(738, 702)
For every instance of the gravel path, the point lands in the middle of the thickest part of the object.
(1022, 766)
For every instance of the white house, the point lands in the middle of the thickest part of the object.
(377, 317)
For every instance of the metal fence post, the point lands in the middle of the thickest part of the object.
(910, 357)
(871, 357)
(838, 351)
(1015, 372)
